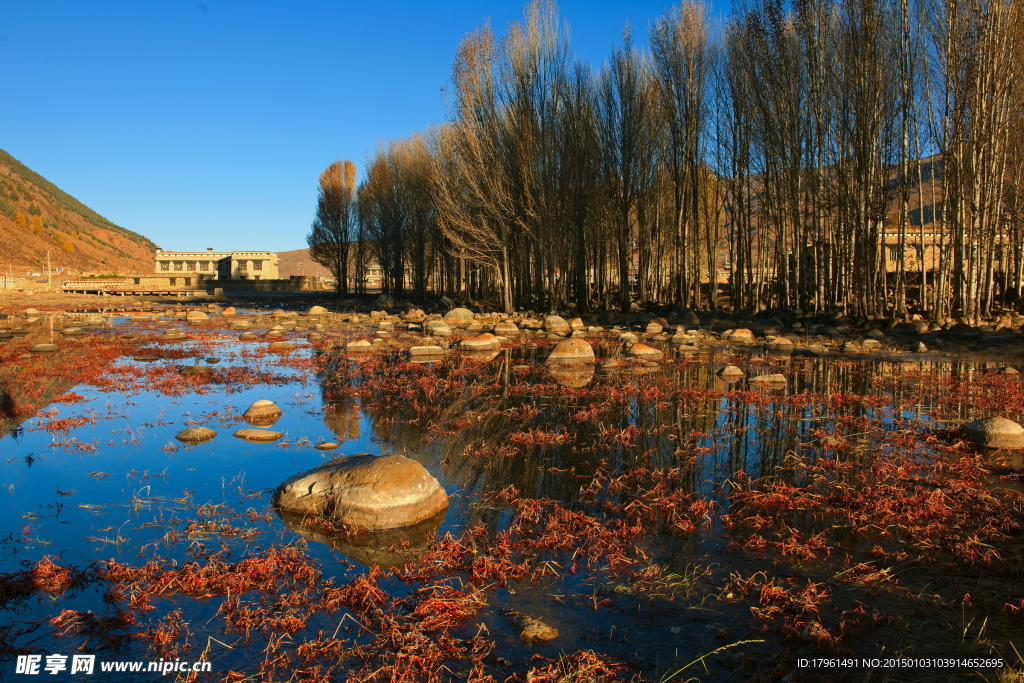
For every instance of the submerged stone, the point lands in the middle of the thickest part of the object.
(365, 490)
(532, 630)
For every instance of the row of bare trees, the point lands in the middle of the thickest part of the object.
(856, 154)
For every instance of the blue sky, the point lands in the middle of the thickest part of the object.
(206, 124)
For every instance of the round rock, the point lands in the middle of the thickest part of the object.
(262, 412)
(573, 350)
(316, 310)
(195, 435)
(459, 316)
(556, 324)
(364, 490)
(995, 432)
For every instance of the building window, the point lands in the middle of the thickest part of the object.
(138, 280)
(204, 265)
(894, 253)
(165, 265)
(257, 265)
(243, 265)
(174, 281)
(191, 266)
(188, 282)
(178, 265)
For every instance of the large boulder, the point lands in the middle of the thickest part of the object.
(995, 432)
(262, 412)
(573, 350)
(554, 324)
(741, 334)
(366, 491)
(459, 317)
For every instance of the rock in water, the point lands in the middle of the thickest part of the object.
(644, 351)
(365, 490)
(730, 371)
(258, 435)
(574, 350)
(262, 412)
(532, 631)
(359, 345)
(554, 324)
(459, 317)
(195, 435)
(44, 348)
(482, 342)
(741, 334)
(328, 446)
(996, 432)
(316, 310)
(198, 370)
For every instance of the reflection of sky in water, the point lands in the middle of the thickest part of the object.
(132, 473)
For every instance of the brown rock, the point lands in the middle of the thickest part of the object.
(364, 490)
(195, 435)
(554, 324)
(532, 631)
(741, 335)
(358, 346)
(573, 350)
(644, 351)
(458, 317)
(328, 446)
(262, 412)
(481, 342)
(198, 370)
(258, 435)
(44, 348)
(730, 371)
(996, 432)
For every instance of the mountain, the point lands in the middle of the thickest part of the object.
(36, 216)
(297, 262)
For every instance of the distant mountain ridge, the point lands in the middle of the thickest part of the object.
(36, 216)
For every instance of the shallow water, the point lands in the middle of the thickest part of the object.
(119, 487)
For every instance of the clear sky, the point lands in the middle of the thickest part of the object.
(206, 124)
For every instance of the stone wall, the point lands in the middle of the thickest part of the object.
(296, 283)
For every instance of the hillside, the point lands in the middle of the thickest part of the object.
(297, 262)
(36, 216)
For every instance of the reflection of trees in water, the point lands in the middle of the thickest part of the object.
(342, 418)
(510, 425)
